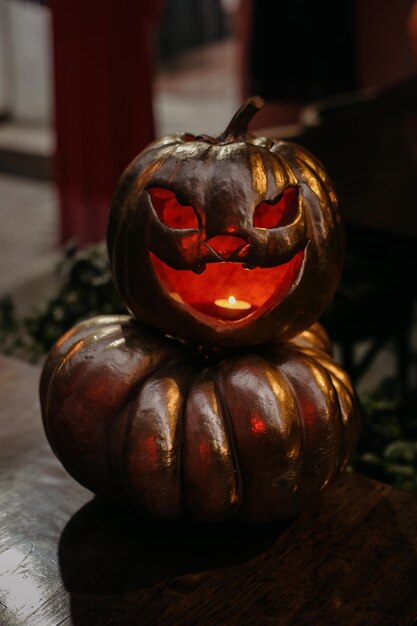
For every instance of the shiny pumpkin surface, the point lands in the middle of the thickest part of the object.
(196, 219)
(133, 415)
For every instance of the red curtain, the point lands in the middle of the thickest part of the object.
(103, 104)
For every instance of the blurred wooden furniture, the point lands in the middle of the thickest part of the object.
(66, 558)
(330, 47)
(368, 143)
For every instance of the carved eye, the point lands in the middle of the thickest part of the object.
(170, 211)
(280, 212)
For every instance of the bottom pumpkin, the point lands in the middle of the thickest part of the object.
(136, 416)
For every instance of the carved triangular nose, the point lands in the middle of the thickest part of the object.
(225, 245)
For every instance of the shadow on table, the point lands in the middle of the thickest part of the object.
(351, 558)
(106, 548)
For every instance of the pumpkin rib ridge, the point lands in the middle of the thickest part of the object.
(301, 422)
(287, 175)
(302, 438)
(118, 199)
(108, 426)
(333, 423)
(267, 505)
(317, 168)
(276, 151)
(86, 329)
(296, 353)
(321, 363)
(268, 167)
(209, 469)
(350, 416)
(218, 387)
(299, 158)
(346, 426)
(118, 261)
(126, 408)
(61, 360)
(334, 368)
(318, 362)
(182, 444)
(298, 164)
(337, 372)
(131, 195)
(124, 464)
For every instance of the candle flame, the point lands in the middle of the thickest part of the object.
(232, 300)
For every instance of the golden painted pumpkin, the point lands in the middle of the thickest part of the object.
(199, 222)
(134, 415)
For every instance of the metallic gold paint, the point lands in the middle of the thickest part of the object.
(224, 179)
(254, 435)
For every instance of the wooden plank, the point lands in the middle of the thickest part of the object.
(67, 558)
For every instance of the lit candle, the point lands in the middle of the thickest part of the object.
(232, 308)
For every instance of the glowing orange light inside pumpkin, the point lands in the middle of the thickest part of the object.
(261, 287)
(278, 213)
(170, 211)
(257, 288)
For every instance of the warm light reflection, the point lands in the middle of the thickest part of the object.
(204, 454)
(151, 449)
(257, 425)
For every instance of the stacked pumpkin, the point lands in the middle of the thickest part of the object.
(219, 397)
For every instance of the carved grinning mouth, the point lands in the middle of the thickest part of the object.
(226, 268)
(262, 288)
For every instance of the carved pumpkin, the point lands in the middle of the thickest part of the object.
(136, 416)
(197, 220)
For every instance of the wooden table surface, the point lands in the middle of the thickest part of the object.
(66, 558)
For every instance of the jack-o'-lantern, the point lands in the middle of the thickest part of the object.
(234, 240)
(134, 415)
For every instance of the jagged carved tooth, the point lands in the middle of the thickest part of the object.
(199, 269)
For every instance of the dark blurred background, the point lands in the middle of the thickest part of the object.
(84, 86)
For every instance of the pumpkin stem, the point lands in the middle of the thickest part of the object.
(238, 125)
